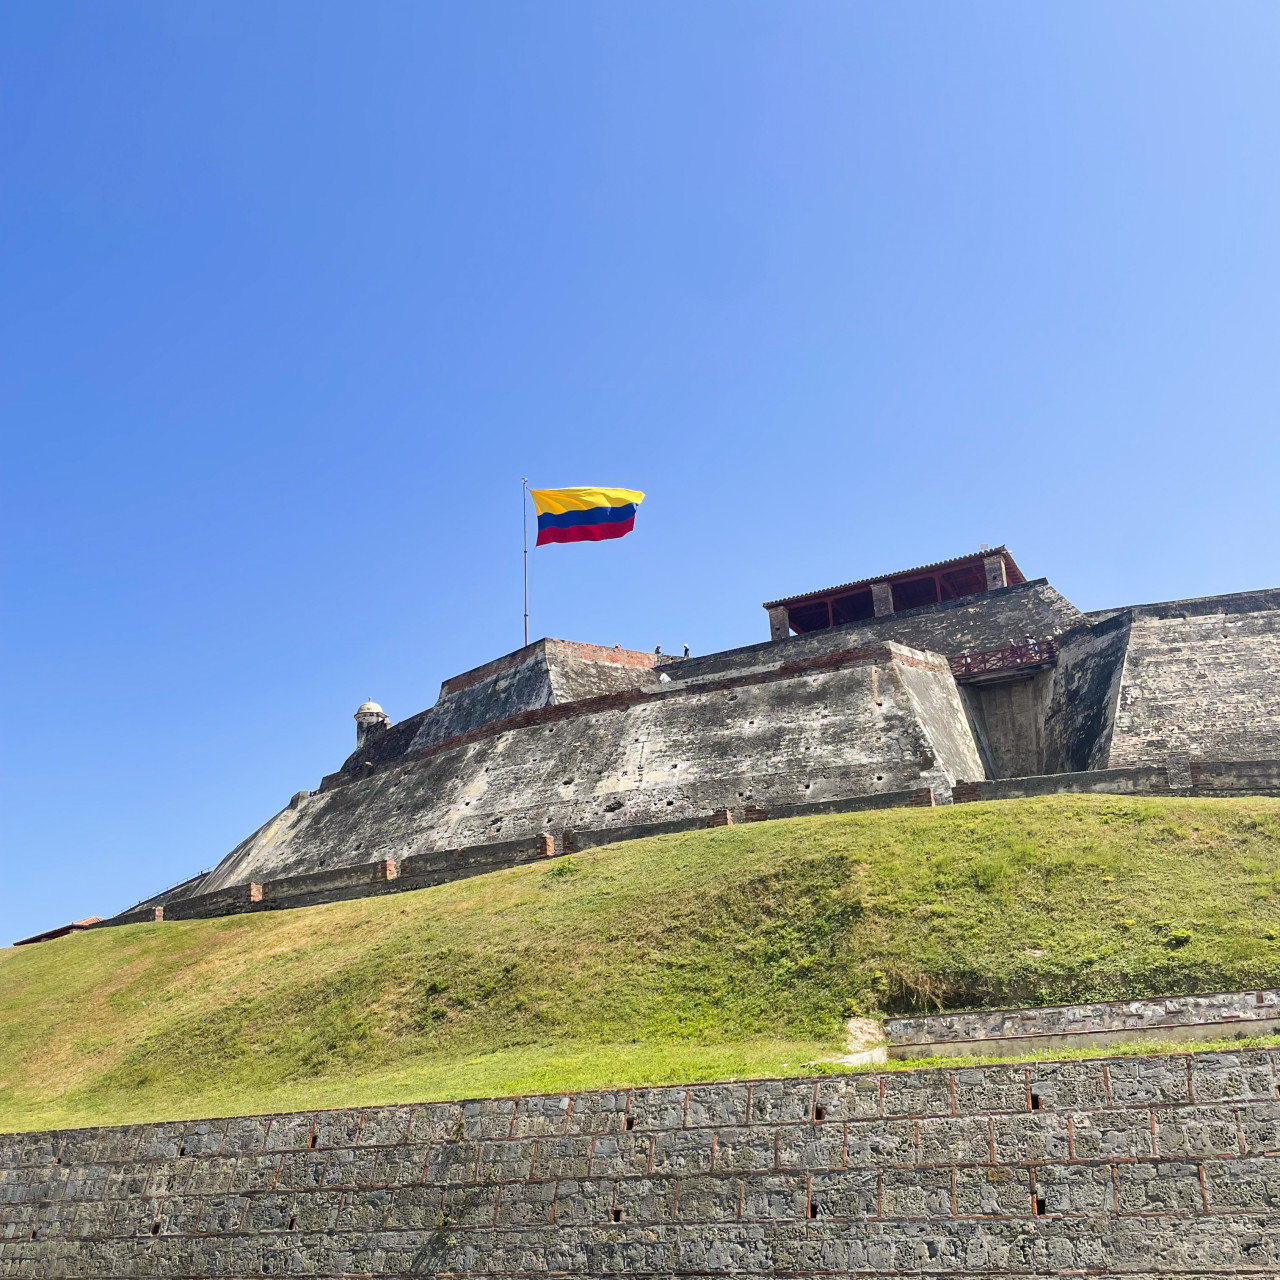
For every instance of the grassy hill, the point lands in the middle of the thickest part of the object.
(732, 952)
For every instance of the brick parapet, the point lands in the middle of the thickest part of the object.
(1090, 1165)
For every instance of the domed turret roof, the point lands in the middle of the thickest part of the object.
(370, 708)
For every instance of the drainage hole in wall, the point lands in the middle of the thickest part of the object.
(879, 777)
(1040, 1206)
(631, 1122)
(1035, 1102)
(292, 1223)
(312, 1143)
(670, 803)
(813, 1209)
(616, 1215)
(819, 1112)
(182, 1151)
(155, 1228)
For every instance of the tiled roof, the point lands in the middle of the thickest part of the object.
(1015, 575)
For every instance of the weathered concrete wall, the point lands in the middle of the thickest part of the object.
(1058, 1027)
(940, 712)
(1132, 1166)
(1008, 717)
(423, 870)
(544, 674)
(555, 672)
(1201, 681)
(1083, 696)
(863, 722)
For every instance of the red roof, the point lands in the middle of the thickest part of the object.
(60, 932)
(1013, 574)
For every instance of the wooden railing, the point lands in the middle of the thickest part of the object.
(1030, 653)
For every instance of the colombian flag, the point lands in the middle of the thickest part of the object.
(584, 515)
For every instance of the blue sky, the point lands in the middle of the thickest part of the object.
(295, 293)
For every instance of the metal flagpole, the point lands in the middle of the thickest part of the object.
(524, 528)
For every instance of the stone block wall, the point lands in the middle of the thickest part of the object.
(1136, 1166)
(1201, 681)
(1235, 777)
(1057, 1027)
(1145, 780)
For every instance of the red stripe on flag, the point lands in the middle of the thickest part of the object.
(586, 532)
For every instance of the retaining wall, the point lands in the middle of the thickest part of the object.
(1211, 779)
(423, 870)
(1076, 1026)
(1235, 777)
(1135, 1166)
(1145, 780)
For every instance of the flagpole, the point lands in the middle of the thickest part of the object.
(524, 528)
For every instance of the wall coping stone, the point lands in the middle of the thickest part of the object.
(986, 1031)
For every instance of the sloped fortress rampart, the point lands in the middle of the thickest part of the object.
(926, 686)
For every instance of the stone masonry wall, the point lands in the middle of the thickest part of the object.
(1008, 1031)
(1200, 682)
(543, 674)
(554, 672)
(849, 725)
(1126, 1166)
(1082, 700)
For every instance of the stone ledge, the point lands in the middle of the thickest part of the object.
(1093, 1025)
(1142, 780)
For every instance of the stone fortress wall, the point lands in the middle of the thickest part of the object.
(559, 737)
(1162, 1165)
(881, 718)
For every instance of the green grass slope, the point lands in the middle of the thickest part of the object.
(732, 952)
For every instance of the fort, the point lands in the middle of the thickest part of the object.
(956, 681)
(947, 685)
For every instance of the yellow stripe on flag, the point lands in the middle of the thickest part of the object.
(557, 501)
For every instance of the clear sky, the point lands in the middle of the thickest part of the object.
(293, 294)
